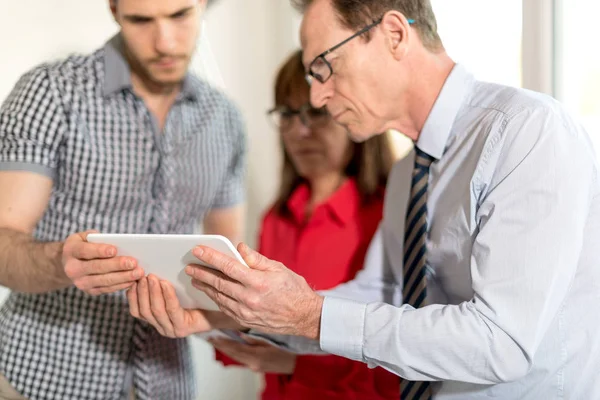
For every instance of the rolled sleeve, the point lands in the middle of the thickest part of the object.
(32, 123)
(342, 327)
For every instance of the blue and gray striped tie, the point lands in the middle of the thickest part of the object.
(415, 279)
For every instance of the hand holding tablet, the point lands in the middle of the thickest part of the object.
(166, 256)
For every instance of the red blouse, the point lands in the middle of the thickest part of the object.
(328, 249)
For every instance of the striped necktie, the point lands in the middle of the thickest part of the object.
(415, 280)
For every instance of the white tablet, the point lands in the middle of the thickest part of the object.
(166, 256)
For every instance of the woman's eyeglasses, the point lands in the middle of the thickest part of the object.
(283, 116)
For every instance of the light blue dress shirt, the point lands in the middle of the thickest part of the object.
(513, 256)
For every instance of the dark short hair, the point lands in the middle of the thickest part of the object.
(372, 159)
(208, 2)
(355, 14)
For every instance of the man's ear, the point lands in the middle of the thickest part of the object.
(398, 33)
(112, 4)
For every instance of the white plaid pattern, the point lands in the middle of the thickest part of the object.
(79, 122)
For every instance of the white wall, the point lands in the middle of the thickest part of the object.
(248, 48)
(248, 38)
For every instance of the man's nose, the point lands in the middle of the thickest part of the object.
(165, 38)
(320, 93)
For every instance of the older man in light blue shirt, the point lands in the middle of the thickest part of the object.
(513, 260)
(512, 251)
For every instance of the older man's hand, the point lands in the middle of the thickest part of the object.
(267, 296)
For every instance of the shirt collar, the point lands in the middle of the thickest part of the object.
(188, 89)
(438, 126)
(116, 69)
(342, 205)
(117, 74)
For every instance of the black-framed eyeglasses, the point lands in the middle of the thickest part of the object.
(321, 70)
(282, 117)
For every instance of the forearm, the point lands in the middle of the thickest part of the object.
(438, 342)
(306, 338)
(29, 266)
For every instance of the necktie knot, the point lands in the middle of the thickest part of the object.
(422, 159)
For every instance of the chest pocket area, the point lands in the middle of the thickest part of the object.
(108, 162)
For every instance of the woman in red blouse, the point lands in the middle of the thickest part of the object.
(328, 209)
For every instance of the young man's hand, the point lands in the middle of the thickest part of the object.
(95, 267)
(155, 302)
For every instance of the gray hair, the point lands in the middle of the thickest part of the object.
(355, 14)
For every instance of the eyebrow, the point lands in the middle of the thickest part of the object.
(306, 63)
(182, 11)
(140, 17)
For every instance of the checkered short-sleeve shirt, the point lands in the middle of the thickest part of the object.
(79, 122)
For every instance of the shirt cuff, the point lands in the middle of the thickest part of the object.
(342, 327)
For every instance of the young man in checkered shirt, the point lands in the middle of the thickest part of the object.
(124, 140)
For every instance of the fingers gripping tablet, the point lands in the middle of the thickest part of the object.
(166, 256)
